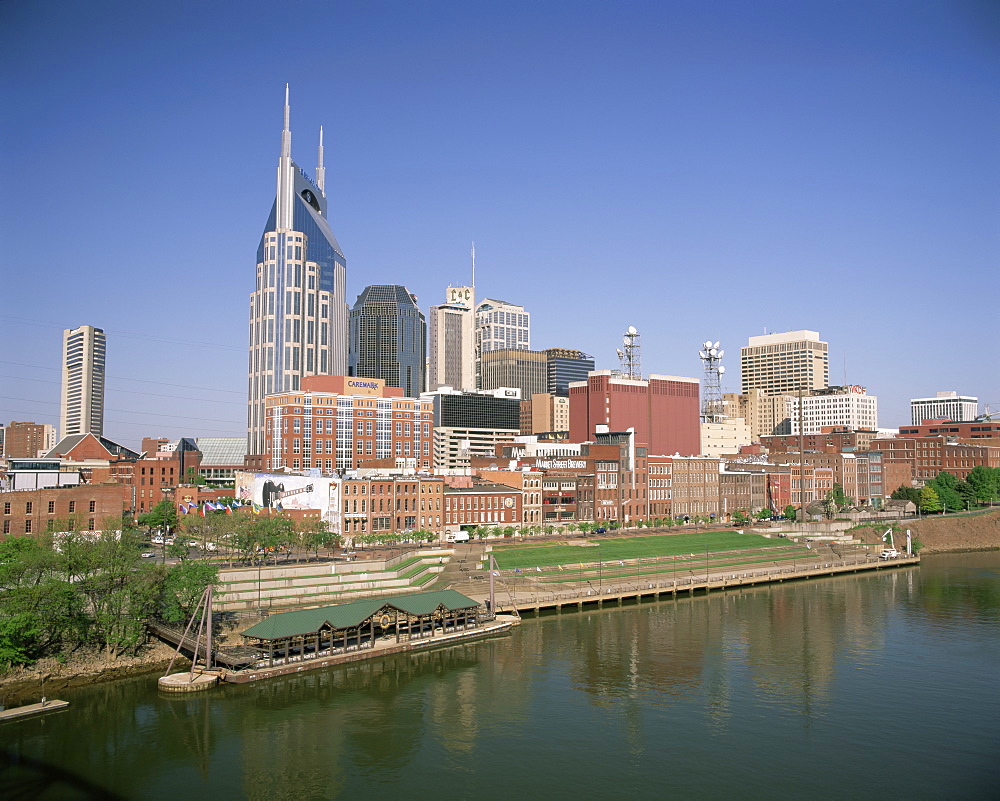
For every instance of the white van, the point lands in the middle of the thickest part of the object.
(888, 553)
(457, 536)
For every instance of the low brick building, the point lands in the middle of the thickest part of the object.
(85, 507)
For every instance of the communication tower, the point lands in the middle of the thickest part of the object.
(628, 355)
(712, 410)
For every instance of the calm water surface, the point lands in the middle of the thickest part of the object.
(868, 686)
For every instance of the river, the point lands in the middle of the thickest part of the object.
(865, 686)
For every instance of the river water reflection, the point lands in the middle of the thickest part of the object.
(850, 687)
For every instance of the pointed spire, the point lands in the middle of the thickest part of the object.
(286, 180)
(286, 131)
(320, 169)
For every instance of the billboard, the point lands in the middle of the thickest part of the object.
(283, 491)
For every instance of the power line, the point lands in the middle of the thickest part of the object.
(215, 431)
(139, 380)
(127, 411)
(132, 391)
(128, 334)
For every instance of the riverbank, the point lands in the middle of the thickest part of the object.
(950, 533)
(48, 677)
(945, 534)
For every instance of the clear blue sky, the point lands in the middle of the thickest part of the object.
(695, 169)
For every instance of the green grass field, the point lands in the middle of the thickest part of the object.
(540, 555)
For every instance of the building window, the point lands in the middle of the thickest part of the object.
(6, 508)
(27, 508)
(52, 507)
(72, 506)
(27, 526)
(90, 524)
(93, 506)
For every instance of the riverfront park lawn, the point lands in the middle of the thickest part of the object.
(528, 554)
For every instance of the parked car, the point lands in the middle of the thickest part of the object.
(148, 555)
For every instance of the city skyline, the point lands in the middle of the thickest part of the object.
(743, 172)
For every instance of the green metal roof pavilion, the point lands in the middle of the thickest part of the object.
(346, 616)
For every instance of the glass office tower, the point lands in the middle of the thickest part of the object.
(298, 311)
(388, 336)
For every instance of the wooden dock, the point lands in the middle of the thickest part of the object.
(523, 600)
(31, 710)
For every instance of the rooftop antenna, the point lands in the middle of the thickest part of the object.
(711, 360)
(320, 169)
(473, 264)
(628, 355)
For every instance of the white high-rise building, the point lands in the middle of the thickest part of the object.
(298, 311)
(451, 346)
(848, 407)
(500, 326)
(784, 363)
(81, 407)
(946, 406)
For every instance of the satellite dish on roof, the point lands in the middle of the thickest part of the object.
(631, 330)
(716, 346)
(722, 353)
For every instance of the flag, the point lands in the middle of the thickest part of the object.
(229, 509)
(204, 510)
(182, 508)
(256, 509)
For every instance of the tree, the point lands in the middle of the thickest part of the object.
(985, 483)
(838, 497)
(162, 516)
(929, 500)
(966, 494)
(906, 494)
(789, 512)
(38, 610)
(120, 590)
(944, 484)
(739, 518)
(183, 588)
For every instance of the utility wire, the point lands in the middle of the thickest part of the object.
(140, 380)
(128, 334)
(133, 391)
(128, 411)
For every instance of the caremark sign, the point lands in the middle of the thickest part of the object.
(362, 384)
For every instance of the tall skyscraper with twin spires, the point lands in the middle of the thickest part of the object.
(298, 311)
